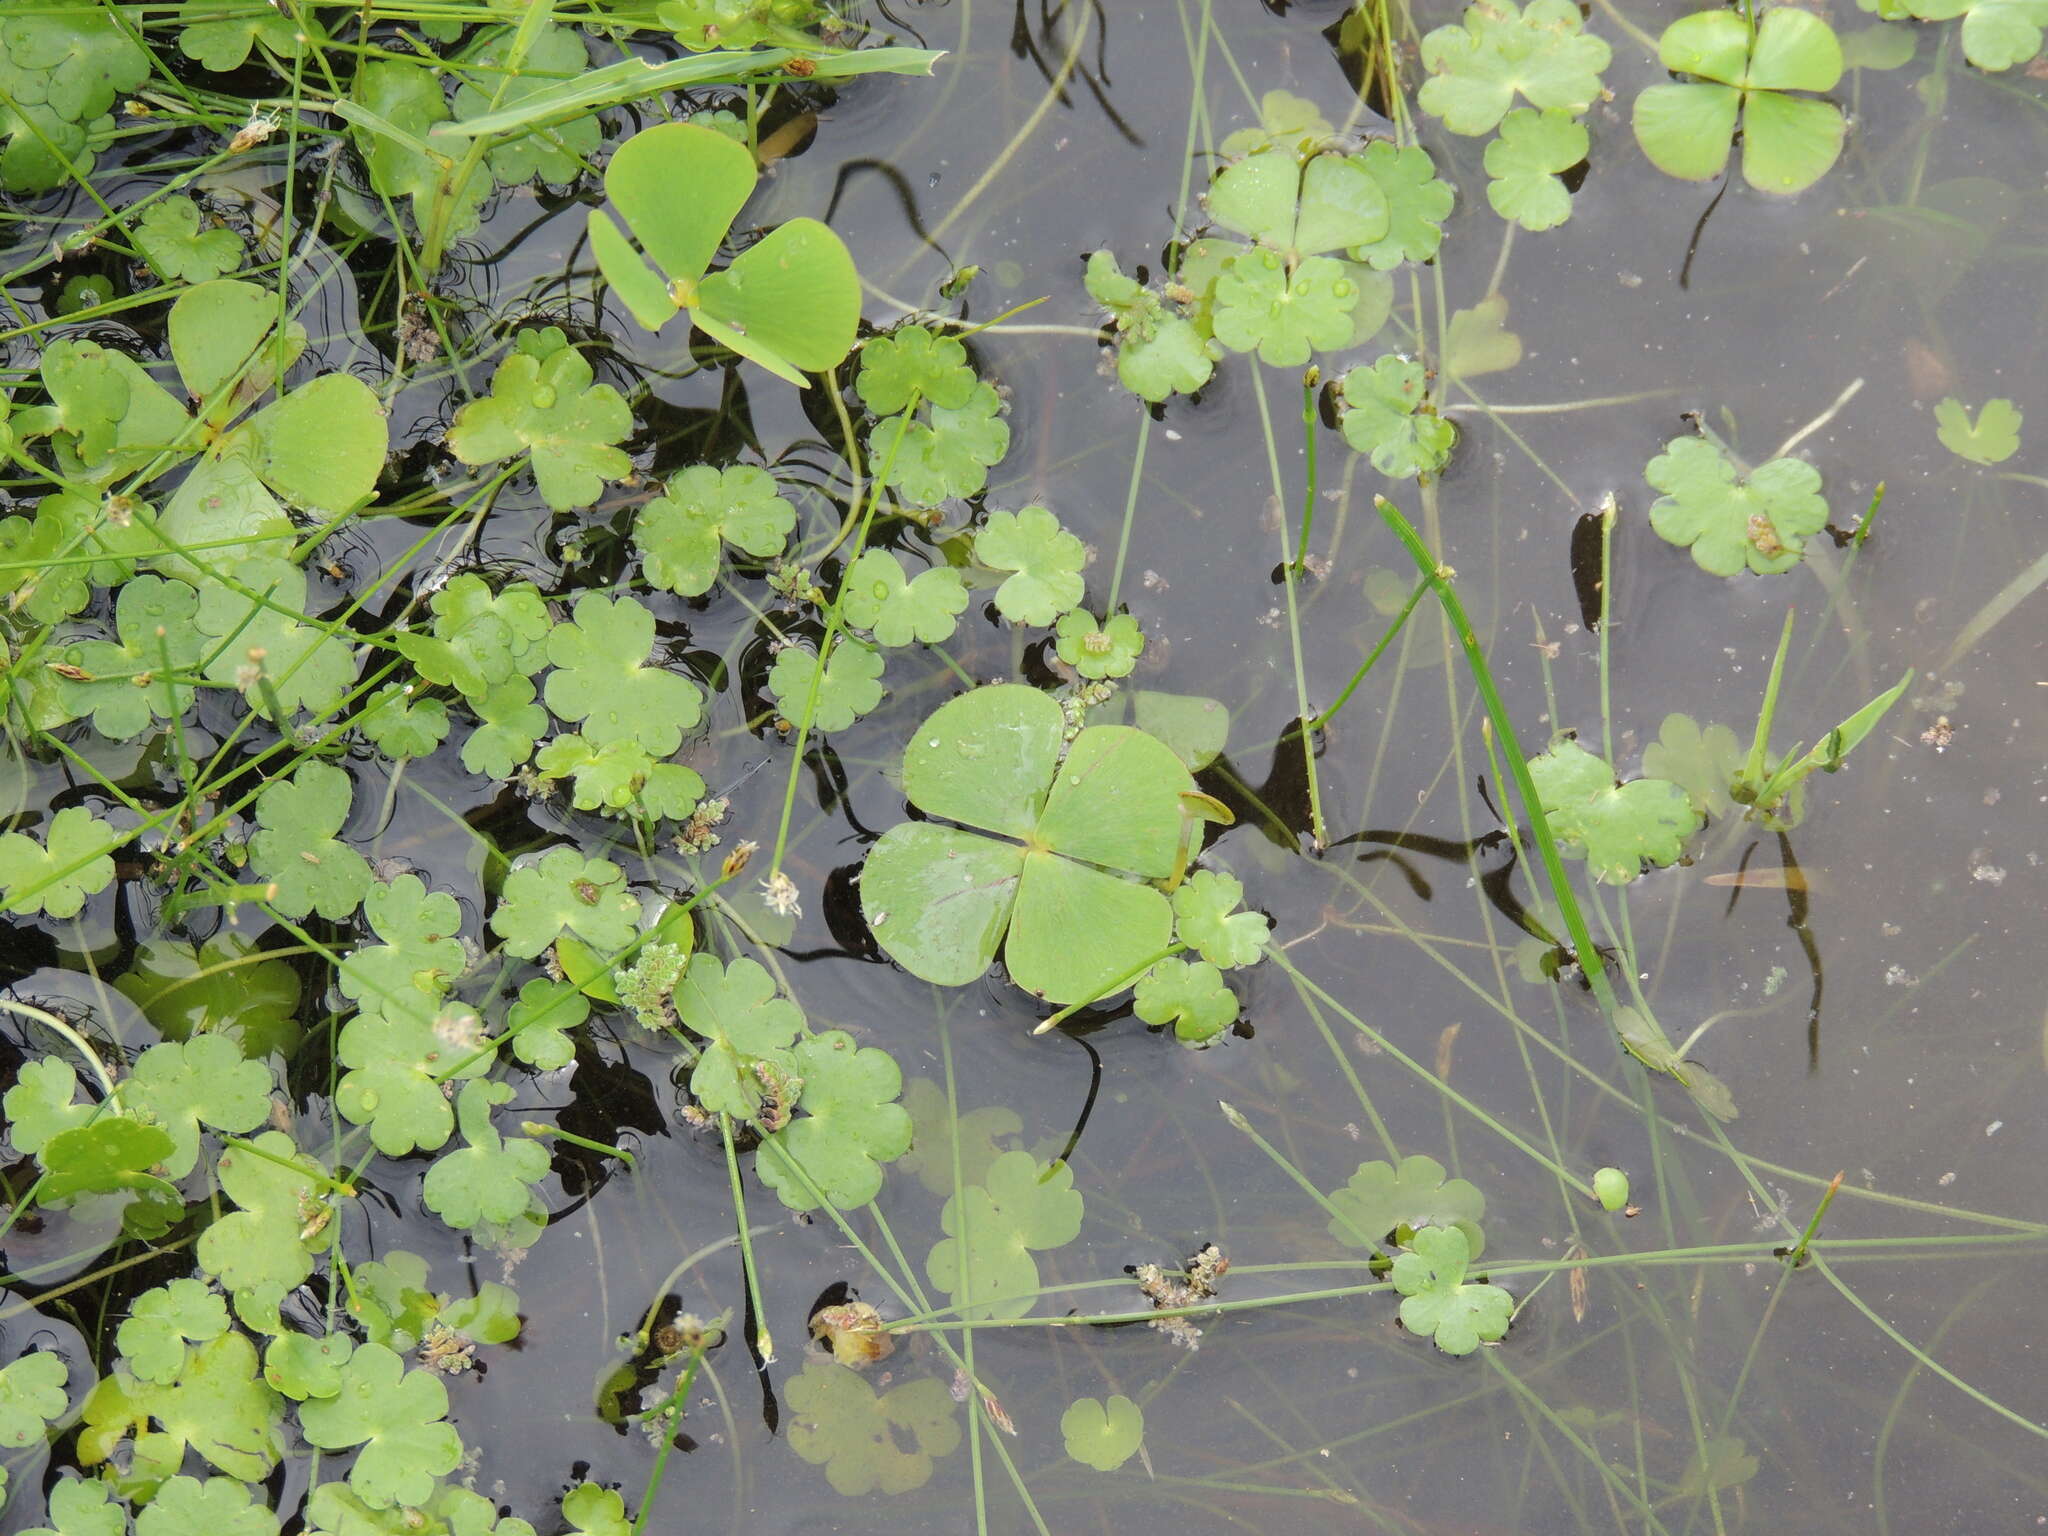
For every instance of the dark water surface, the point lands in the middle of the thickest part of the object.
(1916, 270)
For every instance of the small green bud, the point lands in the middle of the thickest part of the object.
(1611, 1185)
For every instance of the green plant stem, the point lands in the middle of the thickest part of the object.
(541, 1132)
(1797, 1256)
(1318, 832)
(1344, 696)
(764, 1338)
(1129, 975)
(71, 1037)
(1309, 381)
(1123, 538)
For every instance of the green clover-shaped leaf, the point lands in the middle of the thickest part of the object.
(1190, 995)
(1992, 438)
(1617, 827)
(1538, 52)
(941, 451)
(219, 1506)
(994, 1227)
(1102, 1435)
(1159, 352)
(594, 1510)
(488, 1180)
(57, 875)
(1206, 919)
(410, 98)
(129, 685)
(31, 1394)
(849, 1126)
(162, 1321)
(1997, 34)
(302, 665)
(864, 1440)
(509, 724)
(1286, 121)
(877, 596)
(913, 361)
(78, 1507)
(1439, 1304)
(1284, 315)
(1761, 520)
(264, 1249)
(40, 1104)
(1110, 649)
(1044, 561)
(602, 681)
(223, 986)
(181, 1085)
(850, 686)
(679, 532)
(1299, 210)
(935, 1131)
(563, 892)
(218, 1406)
(556, 153)
(397, 1417)
(480, 639)
(541, 1019)
(1743, 80)
(170, 240)
(619, 777)
(102, 1155)
(1524, 163)
(548, 407)
(74, 545)
(1418, 202)
(1381, 1202)
(743, 1021)
(295, 849)
(420, 956)
(1704, 761)
(60, 70)
(302, 1366)
(396, 1054)
(400, 726)
(1388, 415)
(940, 899)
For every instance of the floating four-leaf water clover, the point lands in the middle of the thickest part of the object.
(1108, 649)
(1190, 995)
(789, 302)
(55, 876)
(849, 687)
(1089, 829)
(1388, 415)
(295, 848)
(1788, 142)
(267, 647)
(679, 533)
(1992, 438)
(543, 403)
(1538, 51)
(992, 1229)
(1439, 1303)
(1380, 1202)
(1618, 828)
(1102, 1435)
(1761, 520)
(1524, 164)
(1044, 561)
(602, 681)
(898, 609)
(867, 1440)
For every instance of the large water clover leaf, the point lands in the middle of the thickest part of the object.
(219, 1506)
(1992, 438)
(1192, 996)
(294, 849)
(849, 687)
(1538, 52)
(898, 609)
(1618, 828)
(1525, 163)
(1206, 919)
(1388, 415)
(1997, 34)
(849, 1125)
(601, 680)
(263, 1249)
(56, 875)
(563, 892)
(1068, 893)
(218, 1406)
(679, 532)
(992, 1229)
(1788, 142)
(397, 1416)
(1102, 1435)
(864, 1440)
(60, 69)
(161, 1322)
(1043, 559)
(790, 302)
(543, 403)
(1438, 1303)
(129, 684)
(1381, 1202)
(181, 1085)
(1158, 352)
(743, 1020)
(1729, 520)
(31, 1394)
(940, 451)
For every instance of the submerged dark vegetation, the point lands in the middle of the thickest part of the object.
(354, 839)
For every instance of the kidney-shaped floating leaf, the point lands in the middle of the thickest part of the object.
(790, 303)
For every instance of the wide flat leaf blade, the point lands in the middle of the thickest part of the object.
(1687, 130)
(1117, 802)
(986, 758)
(1789, 142)
(679, 186)
(1711, 44)
(322, 446)
(638, 285)
(1795, 51)
(1256, 197)
(795, 294)
(1078, 933)
(1342, 205)
(938, 899)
